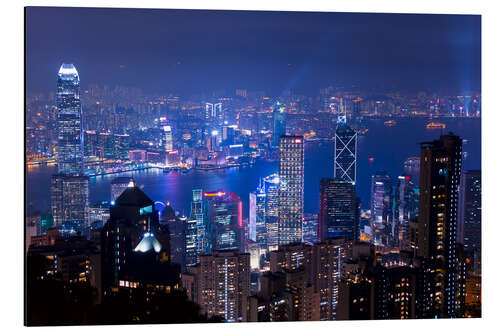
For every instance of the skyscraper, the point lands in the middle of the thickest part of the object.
(440, 169)
(271, 186)
(168, 141)
(213, 112)
(224, 284)
(199, 212)
(291, 189)
(69, 202)
(337, 209)
(405, 208)
(69, 188)
(381, 207)
(469, 214)
(69, 122)
(260, 216)
(327, 258)
(279, 123)
(346, 145)
(226, 230)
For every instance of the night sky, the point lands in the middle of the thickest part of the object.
(185, 51)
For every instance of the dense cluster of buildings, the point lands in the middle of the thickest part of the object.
(416, 255)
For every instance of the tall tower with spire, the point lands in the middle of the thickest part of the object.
(346, 146)
(69, 122)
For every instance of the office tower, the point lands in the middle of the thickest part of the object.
(271, 187)
(381, 208)
(132, 229)
(310, 228)
(120, 184)
(260, 216)
(469, 215)
(69, 200)
(167, 139)
(199, 212)
(337, 214)
(252, 216)
(440, 166)
(346, 145)
(213, 112)
(405, 209)
(279, 123)
(291, 189)
(69, 122)
(226, 230)
(213, 140)
(224, 285)
(191, 242)
(327, 258)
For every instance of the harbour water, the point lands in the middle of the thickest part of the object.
(381, 148)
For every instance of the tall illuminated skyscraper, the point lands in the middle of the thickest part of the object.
(199, 212)
(69, 188)
(381, 207)
(440, 169)
(337, 214)
(346, 146)
(260, 216)
(224, 285)
(213, 112)
(271, 187)
(279, 123)
(405, 208)
(469, 214)
(69, 201)
(225, 224)
(168, 142)
(291, 189)
(69, 122)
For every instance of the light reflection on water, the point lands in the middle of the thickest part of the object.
(387, 146)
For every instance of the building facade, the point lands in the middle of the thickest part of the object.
(291, 189)
(69, 122)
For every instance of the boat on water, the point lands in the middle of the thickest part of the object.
(433, 125)
(390, 123)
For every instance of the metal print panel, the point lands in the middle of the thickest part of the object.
(195, 166)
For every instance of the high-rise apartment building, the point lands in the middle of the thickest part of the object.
(327, 258)
(224, 285)
(291, 189)
(469, 214)
(440, 173)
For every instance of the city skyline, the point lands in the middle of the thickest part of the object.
(337, 204)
